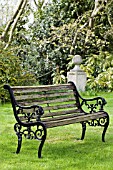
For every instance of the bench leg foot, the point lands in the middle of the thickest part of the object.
(105, 128)
(83, 130)
(19, 142)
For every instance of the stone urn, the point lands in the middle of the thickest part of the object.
(77, 60)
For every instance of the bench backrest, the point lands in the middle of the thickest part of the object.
(56, 100)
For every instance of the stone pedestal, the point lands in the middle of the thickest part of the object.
(77, 75)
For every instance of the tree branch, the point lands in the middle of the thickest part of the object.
(99, 5)
(7, 28)
(17, 16)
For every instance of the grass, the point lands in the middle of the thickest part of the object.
(62, 149)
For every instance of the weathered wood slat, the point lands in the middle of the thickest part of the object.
(57, 107)
(61, 100)
(56, 115)
(63, 112)
(21, 89)
(45, 102)
(73, 120)
(69, 119)
(43, 96)
(62, 117)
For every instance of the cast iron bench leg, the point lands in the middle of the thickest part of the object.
(83, 130)
(105, 128)
(19, 142)
(42, 142)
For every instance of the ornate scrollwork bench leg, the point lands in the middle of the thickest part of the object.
(103, 122)
(40, 134)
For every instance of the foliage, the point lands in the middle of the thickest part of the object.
(58, 77)
(61, 30)
(99, 69)
(98, 62)
(11, 71)
(48, 42)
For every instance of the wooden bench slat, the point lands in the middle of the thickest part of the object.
(42, 96)
(62, 117)
(73, 120)
(56, 115)
(21, 89)
(72, 99)
(57, 107)
(42, 103)
(68, 119)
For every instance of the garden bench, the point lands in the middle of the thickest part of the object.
(37, 108)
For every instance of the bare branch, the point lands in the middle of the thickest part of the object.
(7, 28)
(17, 16)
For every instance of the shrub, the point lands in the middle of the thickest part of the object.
(11, 71)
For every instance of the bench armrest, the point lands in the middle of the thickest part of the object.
(93, 104)
(38, 109)
(28, 113)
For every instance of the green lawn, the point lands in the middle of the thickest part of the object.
(62, 149)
